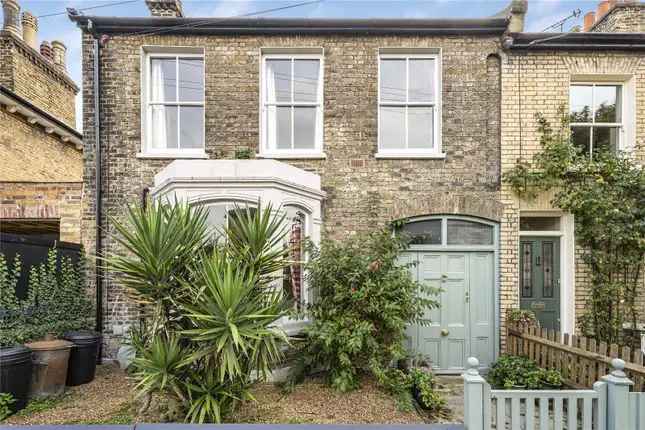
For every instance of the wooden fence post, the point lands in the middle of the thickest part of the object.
(617, 396)
(474, 387)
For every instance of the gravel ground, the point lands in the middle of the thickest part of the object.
(315, 402)
(104, 400)
(107, 400)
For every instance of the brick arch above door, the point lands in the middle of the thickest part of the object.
(448, 204)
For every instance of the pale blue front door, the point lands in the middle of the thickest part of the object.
(463, 325)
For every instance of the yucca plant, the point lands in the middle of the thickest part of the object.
(159, 243)
(212, 329)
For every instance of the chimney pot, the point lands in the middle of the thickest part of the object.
(46, 51)
(30, 30)
(11, 12)
(590, 19)
(603, 8)
(518, 9)
(165, 8)
(59, 49)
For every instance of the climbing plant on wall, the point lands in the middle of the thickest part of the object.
(606, 195)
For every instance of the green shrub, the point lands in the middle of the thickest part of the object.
(522, 317)
(210, 308)
(511, 371)
(423, 384)
(363, 301)
(56, 302)
(6, 400)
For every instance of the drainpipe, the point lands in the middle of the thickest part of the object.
(98, 188)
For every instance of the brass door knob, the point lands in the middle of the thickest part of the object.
(444, 332)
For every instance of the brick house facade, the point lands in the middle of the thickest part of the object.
(41, 159)
(362, 184)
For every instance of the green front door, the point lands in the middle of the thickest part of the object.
(463, 325)
(540, 279)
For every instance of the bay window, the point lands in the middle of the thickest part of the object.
(409, 104)
(173, 112)
(292, 111)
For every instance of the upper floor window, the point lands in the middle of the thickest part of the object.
(409, 104)
(596, 116)
(174, 103)
(292, 111)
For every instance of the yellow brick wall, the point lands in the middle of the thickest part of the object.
(538, 82)
(28, 153)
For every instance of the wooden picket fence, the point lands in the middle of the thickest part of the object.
(581, 361)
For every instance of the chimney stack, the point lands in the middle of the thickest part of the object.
(59, 49)
(46, 51)
(590, 19)
(165, 8)
(11, 11)
(30, 30)
(603, 8)
(518, 9)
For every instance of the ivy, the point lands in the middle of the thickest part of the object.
(606, 195)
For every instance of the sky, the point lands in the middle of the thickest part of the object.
(54, 25)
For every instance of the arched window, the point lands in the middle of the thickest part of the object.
(449, 231)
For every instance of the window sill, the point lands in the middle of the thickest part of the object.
(184, 155)
(293, 156)
(404, 155)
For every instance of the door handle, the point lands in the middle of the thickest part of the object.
(467, 297)
(444, 332)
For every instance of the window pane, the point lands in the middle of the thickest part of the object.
(581, 138)
(163, 80)
(191, 80)
(163, 127)
(540, 223)
(279, 127)
(421, 80)
(304, 132)
(393, 80)
(547, 267)
(420, 125)
(426, 232)
(216, 218)
(392, 132)
(527, 269)
(192, 127)
(462, 232)
(306, 80)
(278, 81)
(605, 139)
(607, 103)
(580, 100)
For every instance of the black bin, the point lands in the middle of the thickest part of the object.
(82, 360)
(15, 374)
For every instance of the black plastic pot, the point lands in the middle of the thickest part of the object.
(15, 374)
(82, 360)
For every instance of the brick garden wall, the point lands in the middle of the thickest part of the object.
(44, 200)
(363, 192)
(539, 82)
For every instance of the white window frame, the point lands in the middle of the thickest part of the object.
(622, 135)
(292, 54)
(407, 55)
(147, 150)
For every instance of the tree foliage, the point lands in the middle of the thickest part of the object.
(606, 195)
(363, 300)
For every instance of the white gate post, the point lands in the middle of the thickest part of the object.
(617, 396)
(473, 396)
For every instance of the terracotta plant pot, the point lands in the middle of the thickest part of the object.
(50, 367)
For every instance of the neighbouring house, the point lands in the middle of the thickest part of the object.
(41, 157)
(352, 124)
